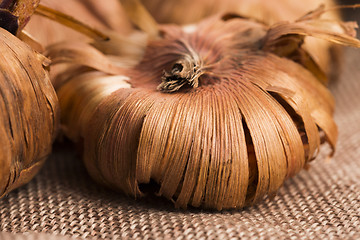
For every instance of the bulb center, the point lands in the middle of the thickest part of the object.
(184, 73)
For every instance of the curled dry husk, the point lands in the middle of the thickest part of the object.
(218, 114)
(270, 12)
(29, 112)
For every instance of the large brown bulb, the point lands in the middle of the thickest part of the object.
(29, 112)
(218, 114)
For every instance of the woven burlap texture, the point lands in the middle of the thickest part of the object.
(320, 203)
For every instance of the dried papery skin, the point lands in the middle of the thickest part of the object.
(83, 54)
(92, 87)
(29, 112)
(231, 131)
(123, 52)
(266, 11)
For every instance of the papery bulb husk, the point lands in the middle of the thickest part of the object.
(218, 114)
(29, 112)
(270, 12)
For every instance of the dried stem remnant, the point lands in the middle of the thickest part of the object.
(184, 72)
(70, 22)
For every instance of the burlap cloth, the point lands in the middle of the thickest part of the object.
(321, 203)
